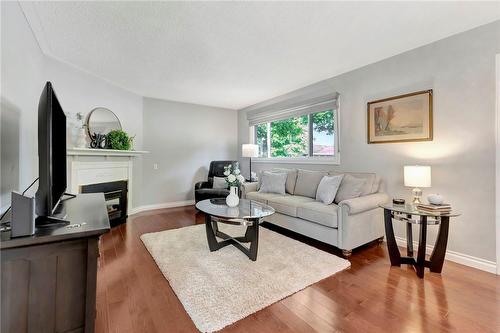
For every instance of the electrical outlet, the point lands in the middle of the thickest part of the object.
(155, 166)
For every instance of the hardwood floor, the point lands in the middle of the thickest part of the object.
(133, 295)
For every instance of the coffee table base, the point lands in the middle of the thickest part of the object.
(251, 236)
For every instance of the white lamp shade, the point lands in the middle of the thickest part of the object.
(417, 176)
(249, 150)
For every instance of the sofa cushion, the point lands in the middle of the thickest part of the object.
(350, 187)
(371, 184)
(262, 197)
(288, 205)
(291, 178)
(319, 213)
(307, 182)
(327, 188)
(273, 182)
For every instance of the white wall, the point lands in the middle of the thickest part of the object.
(21, 85)
(461, 71)
(24, 72)
(183, 138)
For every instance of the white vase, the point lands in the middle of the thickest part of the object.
(81, 138)
(232, 200)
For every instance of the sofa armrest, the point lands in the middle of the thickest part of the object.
(200, 185)
(362, 204)
(247, 188)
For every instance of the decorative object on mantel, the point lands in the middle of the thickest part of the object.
(77, 129)
(118, 139)
(250, 150)
(101, 121)
(417, 176)
(81, 136)
(97, 141)
(234, 179)
(403, 118)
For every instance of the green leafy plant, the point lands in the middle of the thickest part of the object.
(118, 139)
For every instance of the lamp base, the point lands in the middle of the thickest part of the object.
(417, 195)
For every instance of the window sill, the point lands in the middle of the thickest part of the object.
(298, 160)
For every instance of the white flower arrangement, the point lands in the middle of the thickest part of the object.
(233, 177)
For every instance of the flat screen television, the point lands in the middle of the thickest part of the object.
(51, 156)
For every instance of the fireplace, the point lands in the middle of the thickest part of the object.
(115, 194)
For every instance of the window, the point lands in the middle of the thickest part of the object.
(323, 140)
(309, 135)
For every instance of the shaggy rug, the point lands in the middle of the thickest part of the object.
(219, 288)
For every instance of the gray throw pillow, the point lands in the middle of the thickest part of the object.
(291, 178)
(327, 188)
(219, 182)
(350, 187)
(307, 182)
(272, 182)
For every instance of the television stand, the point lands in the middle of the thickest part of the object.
(48, 280)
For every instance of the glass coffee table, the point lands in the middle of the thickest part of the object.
(410, 215)
(248, 213)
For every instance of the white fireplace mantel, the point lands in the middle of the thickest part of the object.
(92, 166)
(104, 152)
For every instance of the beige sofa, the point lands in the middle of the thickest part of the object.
(347, 225)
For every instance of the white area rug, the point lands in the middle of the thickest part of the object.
(219, 288)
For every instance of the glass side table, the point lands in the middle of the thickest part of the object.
(410, 215)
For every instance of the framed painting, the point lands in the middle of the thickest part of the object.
(404, 118)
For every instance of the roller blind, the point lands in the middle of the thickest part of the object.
(288, 110)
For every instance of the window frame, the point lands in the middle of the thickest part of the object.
(335, 159)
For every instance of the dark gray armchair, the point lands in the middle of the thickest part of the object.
(203, 190)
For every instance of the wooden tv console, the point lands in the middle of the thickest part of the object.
(49, 279)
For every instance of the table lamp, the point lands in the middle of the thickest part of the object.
(250, 150)
(417, 176)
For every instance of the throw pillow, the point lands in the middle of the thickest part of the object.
(327, 188)
(219, 182)
(291, 178)
(272, 182)
(307, 182)
(350, 187)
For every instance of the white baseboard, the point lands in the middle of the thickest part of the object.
(171, 204)
(460, 258)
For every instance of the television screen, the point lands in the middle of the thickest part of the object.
(51, 152)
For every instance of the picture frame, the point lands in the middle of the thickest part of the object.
(403, 118)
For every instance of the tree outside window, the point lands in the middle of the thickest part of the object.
(308, 135)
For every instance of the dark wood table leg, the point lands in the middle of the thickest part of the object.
(409, 238)
(422, 244)
(392, 246)
(439, 252)
(252, 235)
(213, 245)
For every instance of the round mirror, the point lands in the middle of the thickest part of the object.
(102, 121)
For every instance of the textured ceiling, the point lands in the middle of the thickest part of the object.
(235, 54)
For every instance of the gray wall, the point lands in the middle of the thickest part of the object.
(461, 71)
(24, 72)
(182, 139)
